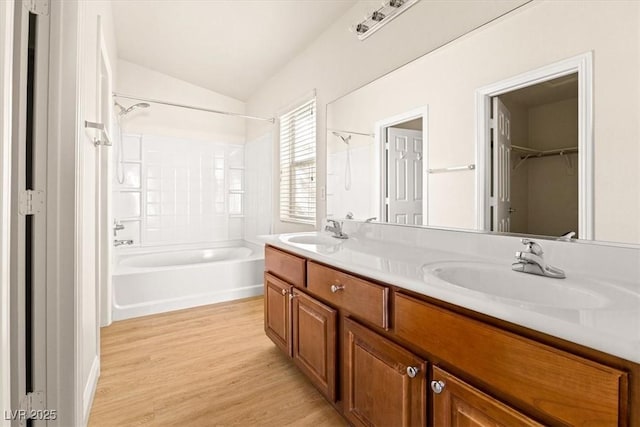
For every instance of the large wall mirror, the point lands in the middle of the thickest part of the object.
(528, 125)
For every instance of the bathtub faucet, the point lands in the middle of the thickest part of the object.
(117, 227)
(117, 242)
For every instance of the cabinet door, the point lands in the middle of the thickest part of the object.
(277, 312)
(457, 404)
(314, 341)
(384, 384)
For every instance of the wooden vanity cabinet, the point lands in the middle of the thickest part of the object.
(314, 341)
(301, 326)
(401, 359)
(277, 312)
(557, 386)
(288, 267)
(384, 384)
(457, 404)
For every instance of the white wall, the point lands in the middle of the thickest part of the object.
(163, 120)
(6, 61)
(337, 62)
(533, 36)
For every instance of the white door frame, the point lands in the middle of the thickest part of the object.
(63, 294)
(6, 117)
(38, 219)
(581, 64)
(105, 214)
(380, 126)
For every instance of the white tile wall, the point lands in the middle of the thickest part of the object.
(358, 199)
(258, 208)
(188, 191)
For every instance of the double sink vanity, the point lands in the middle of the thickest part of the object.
(398, 326)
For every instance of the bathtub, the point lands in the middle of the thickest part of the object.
(149, 281)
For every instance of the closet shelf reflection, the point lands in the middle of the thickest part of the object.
(531, 153)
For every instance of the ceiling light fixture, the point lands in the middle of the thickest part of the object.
(378, 18)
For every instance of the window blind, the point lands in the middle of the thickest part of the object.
(298, 164)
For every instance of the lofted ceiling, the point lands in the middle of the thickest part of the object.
(230, 47)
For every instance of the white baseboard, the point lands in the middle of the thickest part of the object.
(90, 390)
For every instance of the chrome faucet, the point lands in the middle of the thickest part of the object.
(373, 218)
(336, 229)
(117, 242)
(531, 261)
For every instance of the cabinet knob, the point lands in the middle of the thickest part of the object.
(337, 287)
(412, 371)
(284, 292)
(437, 386)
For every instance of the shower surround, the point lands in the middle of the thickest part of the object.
(179, 191)
(182, 204)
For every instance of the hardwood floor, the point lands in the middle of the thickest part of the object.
(206, 366)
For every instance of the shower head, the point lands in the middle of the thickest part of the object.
(344, 139)
(125, 111)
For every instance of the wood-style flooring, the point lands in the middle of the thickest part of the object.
(206, 366)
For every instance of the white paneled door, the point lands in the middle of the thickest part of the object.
(404, 176)
(501, 219)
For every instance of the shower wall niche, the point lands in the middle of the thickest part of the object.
(179, 191)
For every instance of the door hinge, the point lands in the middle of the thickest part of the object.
(30, 404)
(31, 202)
(37, 7)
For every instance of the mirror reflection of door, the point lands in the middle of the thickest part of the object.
(535, 159)
(403, 173)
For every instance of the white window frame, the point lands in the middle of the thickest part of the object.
(288, 164)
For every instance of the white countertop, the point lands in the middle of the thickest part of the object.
(613, 328)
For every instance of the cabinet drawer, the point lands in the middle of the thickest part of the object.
(360, 297)
(284, 265)
(561, 387)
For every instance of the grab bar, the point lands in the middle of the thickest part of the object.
(106, 140)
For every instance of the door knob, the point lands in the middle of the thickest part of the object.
(336, 288)
(284, 292)
(437, 386)
(412, 371)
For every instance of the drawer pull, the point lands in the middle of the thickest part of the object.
(412, 371)
(437, 386)
(336, 288)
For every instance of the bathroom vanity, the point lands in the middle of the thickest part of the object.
(388, 353)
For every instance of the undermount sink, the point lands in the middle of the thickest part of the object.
(315, 239)
(498, 280)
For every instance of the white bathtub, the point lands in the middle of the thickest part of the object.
(154, 281)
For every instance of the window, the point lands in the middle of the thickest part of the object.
(298, 164)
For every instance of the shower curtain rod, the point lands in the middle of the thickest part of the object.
(191, 107)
